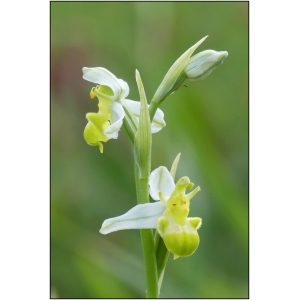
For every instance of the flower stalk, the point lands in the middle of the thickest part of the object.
(142, 157)
(142, 192)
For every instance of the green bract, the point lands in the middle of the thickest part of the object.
(111, 93)
(143, 139)
(169, 214)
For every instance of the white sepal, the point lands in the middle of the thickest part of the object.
(118, 114)
(134, 107)
(141, 216)
(161, 181)
(158, 121)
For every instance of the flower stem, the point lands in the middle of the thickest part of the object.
(156, 101)
(152, 109)
(142, 190)
(161, 252)
(129, 127)
(162, 255)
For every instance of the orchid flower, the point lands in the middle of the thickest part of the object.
(111, 93)
(169, 214)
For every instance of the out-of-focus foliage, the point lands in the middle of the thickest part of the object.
(207, 122)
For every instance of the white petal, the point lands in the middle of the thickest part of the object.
(102, 76)
(141, 216)
(125, 89)
(158, 121)
(118, 114)
(161, 181)
(134, 107)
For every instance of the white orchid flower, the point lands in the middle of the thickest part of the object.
(169, 214)
(111, 93)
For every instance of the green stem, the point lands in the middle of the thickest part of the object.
(129, 127)
(146, 234)
(152, 109)
(147, 239)
(162, 255)
(130, 119)
(156, 101)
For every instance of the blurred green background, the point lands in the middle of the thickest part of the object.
(207, 122)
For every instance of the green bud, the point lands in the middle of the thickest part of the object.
(202, 64)
(175, 76)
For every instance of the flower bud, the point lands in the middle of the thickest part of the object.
(202, 64)
(175, 76)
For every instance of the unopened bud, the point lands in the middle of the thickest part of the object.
(202, 64)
